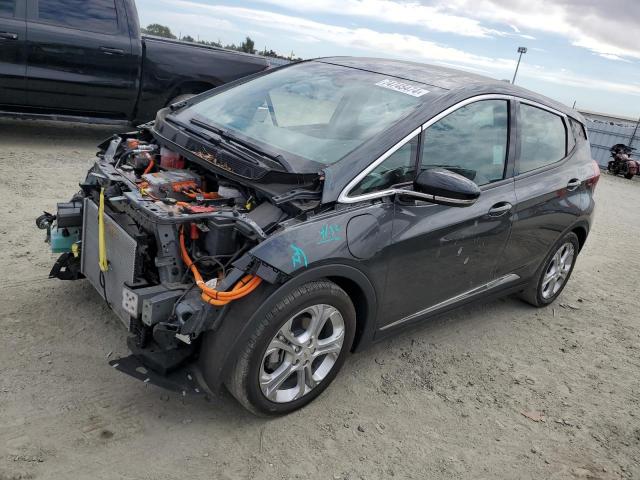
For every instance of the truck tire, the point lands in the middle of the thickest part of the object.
(554, 273)
(295, 351)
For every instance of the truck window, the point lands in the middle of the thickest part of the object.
(7, 8)
(91, 15)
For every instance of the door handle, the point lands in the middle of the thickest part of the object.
(573, 184)
(9, 35)
(112, 51)
(500, 209)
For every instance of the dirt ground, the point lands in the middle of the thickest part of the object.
(442, 401)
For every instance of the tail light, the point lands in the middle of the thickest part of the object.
(593, 180)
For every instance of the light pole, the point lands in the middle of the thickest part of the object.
(521, 50)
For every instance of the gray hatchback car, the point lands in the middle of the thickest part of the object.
(256, 234)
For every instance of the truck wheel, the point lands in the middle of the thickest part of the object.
(628, 176)
(295, 351)
(554, 274)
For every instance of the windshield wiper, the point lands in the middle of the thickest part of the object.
(230, 137)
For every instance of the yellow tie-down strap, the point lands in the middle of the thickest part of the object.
(102, 242)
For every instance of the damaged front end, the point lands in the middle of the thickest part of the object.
(165, 237)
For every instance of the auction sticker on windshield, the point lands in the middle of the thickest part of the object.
(402, 87)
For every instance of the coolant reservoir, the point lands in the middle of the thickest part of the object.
(170, 159)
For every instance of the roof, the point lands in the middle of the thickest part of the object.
(441, 77)
(446, 78)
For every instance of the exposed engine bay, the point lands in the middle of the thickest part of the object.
(165, 241)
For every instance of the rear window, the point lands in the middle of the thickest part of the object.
(544, 138)
(7, 8)
(90, 15)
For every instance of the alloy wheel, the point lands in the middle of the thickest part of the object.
(558, 270)
(302, 353)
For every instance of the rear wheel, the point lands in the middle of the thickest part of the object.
(554, 274)
(296, 351)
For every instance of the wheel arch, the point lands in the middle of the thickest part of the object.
(360, 290)
(220, 347)
(582, 231)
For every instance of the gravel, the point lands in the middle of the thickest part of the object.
(444, 400)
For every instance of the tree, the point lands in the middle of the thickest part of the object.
(248, 46)
(187, 38)
(158, 30)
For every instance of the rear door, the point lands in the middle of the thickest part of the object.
(13, 58)
(80, 57)
(549, 186)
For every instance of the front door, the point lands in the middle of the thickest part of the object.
(440, 253)
(13, 57)
(80, 57)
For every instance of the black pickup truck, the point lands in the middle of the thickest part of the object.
(87, 58)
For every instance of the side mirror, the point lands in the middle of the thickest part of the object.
(444, 187)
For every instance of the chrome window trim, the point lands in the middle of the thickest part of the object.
(344, 195)
(345, 198)
(541, 106)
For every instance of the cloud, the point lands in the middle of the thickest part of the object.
(609, 27)
(392, 44)
(395, 44)
(610, 56)
(570, 79)
(389, 11)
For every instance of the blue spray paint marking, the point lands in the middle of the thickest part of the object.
(298, 257)
(329, 233)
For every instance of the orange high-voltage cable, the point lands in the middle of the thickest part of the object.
(210, 295)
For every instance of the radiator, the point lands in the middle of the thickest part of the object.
(121, 255)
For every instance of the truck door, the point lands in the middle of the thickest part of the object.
(80, 58)
(13, 58)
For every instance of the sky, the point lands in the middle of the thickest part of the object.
(583, 51)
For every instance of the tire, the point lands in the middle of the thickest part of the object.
(628, 176)
(254, 379)
(543, 291)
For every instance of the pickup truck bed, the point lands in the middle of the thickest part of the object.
(94, 64)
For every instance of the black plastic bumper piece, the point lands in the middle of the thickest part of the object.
(183, 380)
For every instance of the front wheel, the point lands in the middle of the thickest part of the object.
(554, 274)
(296, 350)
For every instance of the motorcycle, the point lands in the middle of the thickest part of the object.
(622, 163)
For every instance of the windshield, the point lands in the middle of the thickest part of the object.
(314, 110)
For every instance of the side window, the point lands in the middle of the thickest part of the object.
(544, 138)
(571, 136)
(399, 167)
(90, 15)
(471, 141)
(7, 8)
(578, 130)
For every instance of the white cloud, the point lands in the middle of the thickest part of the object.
(568, 78)
(610, 56)
(395, 44)
(601, 27)
(407, 13)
